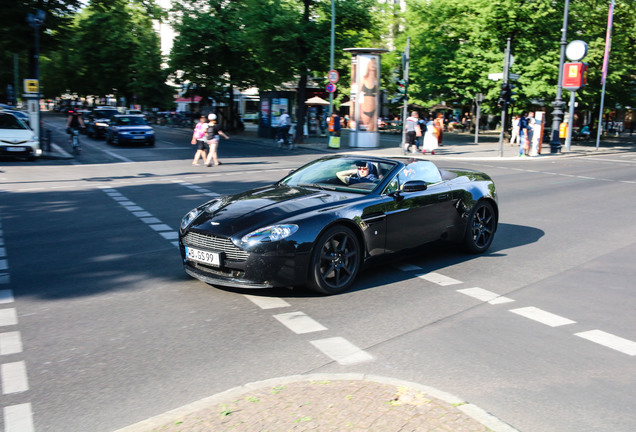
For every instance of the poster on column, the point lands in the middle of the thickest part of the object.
(368, 89)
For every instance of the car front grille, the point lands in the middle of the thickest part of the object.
(220, 244)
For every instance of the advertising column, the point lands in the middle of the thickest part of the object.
(365, 97)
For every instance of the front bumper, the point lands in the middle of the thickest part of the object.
(278, 267)
(20, 151)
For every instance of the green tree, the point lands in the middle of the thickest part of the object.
(17, 37)
(264, 43)
(110, 48)
(456, 44)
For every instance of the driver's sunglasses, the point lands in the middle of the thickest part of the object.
(363, 168)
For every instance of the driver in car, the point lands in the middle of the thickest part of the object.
(364, 173)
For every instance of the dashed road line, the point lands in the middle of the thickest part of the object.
(439, 279)
(342, 351)
(18, 418)
(14, 377)
(610, 341)
(267, 302)
(542, 316)
(299, 323)
(485, 295)
(154, 223)
(10, 343)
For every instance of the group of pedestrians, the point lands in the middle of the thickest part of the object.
(206, 137)
(522, 131)
(431, 131)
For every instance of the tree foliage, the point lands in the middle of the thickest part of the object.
(457, 43)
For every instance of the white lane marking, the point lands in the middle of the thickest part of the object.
(542, 316)
(14, 377)
(3, 251)
(141, 214)
(161, 227)
(342, 351)
(299, 323)
(267, 302)
(485, 295)
(116, 156)
(10, 343)
(6, 296)
(609, 340)
(133, 208)
(150, 220)
(172, 235)
(438, 279)
(18, 418)
(8, 317)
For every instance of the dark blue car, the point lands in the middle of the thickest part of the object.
(130, 129)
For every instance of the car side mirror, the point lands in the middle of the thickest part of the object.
(415, 186)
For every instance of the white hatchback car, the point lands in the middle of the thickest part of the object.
(17, 139)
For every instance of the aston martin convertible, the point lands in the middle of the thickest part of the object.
(323, 223)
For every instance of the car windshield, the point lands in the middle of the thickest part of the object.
(345, 174)
(104, 113)
(9, 121)
(131, 121)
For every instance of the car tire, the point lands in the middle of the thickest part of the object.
(481, 227)
(335, 261)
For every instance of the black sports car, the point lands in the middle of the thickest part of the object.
(323, 222)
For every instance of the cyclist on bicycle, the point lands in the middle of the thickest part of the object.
(74, 121)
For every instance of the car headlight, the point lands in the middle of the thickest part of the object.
(187, 219)
(270, 233)
(101, 124)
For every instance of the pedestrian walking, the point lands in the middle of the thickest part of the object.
(214, 133)
(430, 138)
(199, 139)
(514, 138)
(412, 131)
(439, 125)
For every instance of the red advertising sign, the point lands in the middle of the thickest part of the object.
(574, 76)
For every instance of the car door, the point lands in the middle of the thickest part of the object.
(418, 217)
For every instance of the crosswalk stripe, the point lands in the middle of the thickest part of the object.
(609, 340)
(542, 316)
(342, 351)
(299, 323)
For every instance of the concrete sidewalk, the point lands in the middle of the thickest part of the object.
(461, 146)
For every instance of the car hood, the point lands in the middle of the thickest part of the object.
(133, 128)
(16, 136)
(265, 206)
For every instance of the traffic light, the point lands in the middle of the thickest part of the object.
(505, 95)
(401, 87)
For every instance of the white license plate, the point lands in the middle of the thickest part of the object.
(15, 149)
(139, 137)
(206, 257)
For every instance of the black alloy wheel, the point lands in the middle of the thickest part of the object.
(481, 227)
(335, 261)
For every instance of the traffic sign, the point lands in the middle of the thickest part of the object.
(31, 86)
(331, 87)
(333, 76)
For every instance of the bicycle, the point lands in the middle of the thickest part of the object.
(75, 141)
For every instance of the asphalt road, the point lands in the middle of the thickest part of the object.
(101, 328)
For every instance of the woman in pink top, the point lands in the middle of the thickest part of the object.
(199, 138)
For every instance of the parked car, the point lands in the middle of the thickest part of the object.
(97, 121)
(130, 129)
(21, 115)
(17, 139)
(322, 223)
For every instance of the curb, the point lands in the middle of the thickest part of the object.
(173, 416)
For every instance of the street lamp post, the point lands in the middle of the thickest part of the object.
(559, 104)
(36, 21)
